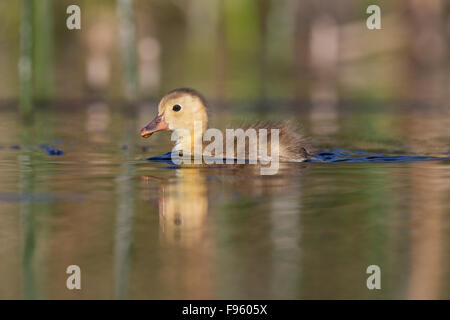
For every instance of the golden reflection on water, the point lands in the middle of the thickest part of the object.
(183, 208)
(182, 203)
(429, 191)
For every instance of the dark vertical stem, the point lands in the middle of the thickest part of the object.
(43, 49)
(302, 29)
(25, 60)
(127, 30)
(221, 52)
(263, 12)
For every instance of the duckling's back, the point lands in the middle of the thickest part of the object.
(293, 146)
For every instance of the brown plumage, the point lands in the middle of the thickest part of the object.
(293, 146)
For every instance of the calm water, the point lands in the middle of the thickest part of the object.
(139, 229)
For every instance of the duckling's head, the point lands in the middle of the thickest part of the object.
(178, 109)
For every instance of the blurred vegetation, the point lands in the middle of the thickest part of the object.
(228, 49)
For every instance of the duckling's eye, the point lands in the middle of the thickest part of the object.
(176, 108)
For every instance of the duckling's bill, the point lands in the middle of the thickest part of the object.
(157, 124)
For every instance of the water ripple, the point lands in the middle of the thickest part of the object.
(340, 155)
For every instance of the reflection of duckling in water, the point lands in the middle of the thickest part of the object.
(183, 199)
(181, 108)
(183, 207)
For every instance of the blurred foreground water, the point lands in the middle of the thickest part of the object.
(139, 229)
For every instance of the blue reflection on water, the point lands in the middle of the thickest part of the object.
(339, 155)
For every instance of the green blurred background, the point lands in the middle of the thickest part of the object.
(227, 49)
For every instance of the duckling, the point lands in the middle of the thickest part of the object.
(181, 108)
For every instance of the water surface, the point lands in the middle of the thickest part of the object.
(74, 190)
